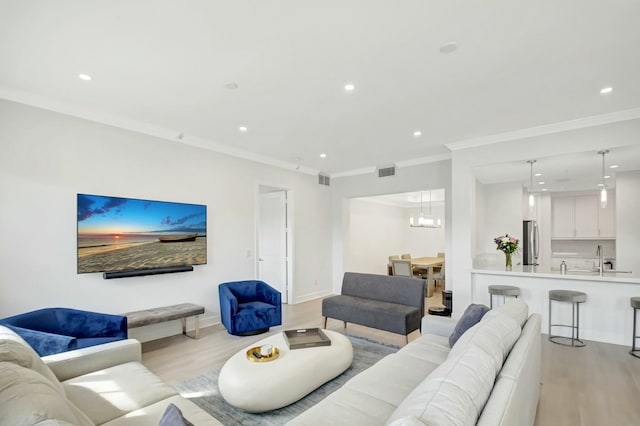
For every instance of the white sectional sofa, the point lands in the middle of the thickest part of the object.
(99, 385)
(491, 377)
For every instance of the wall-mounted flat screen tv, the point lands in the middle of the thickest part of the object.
(127, 234)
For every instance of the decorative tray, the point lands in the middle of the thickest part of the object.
(253, 354)
(306, 338)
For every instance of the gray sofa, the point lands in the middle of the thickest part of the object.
(491, 377)
(98, 385)
(394, 304)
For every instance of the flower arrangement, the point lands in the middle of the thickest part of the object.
(507, 244)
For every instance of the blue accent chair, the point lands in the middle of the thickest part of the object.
(54, 330)
(249, 307)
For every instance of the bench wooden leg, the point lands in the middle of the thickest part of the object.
(325, 323)
(344, 324)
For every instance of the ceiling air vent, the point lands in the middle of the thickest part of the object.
(323, 180)
(386, 171)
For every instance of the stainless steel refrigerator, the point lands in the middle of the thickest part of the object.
(530, 242)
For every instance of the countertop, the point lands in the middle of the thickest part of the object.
(547, 272)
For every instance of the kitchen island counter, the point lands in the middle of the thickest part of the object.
(606, 316)
(546, 272)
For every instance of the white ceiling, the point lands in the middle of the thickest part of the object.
(161, 67)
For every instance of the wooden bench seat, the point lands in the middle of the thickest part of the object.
(167, 313)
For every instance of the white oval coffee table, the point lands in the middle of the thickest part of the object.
(262, 386)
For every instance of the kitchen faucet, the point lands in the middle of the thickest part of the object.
(600, 254)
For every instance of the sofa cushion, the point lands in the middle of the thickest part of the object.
(151, 414)
(454, 393)
(428, 347)
(346, 407)
(106, 394)
(471, 316)
(514, 308)
(14, 349)
(496, 336)
(27, 398)
(407, 371)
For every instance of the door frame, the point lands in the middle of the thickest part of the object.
(288, 297)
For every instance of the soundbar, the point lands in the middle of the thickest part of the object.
(149, 271)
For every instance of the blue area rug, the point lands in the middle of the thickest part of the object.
(203, 390)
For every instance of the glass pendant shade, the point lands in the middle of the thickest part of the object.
(603, 191)
(425, 221)
(532, 198)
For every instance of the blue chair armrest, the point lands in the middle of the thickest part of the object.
(228, 304)
(45, 343)
(269, 294)
(86, 324)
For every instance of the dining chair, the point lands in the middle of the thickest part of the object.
(440, 254)
(406, 256)
(402, 268)
(390, 265)
(439, 276)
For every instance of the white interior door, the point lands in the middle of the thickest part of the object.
(272, 241)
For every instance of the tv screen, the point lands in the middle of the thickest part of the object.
(127, 234)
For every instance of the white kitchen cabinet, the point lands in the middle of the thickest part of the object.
(586, 216)
(564, 217)
(580, 217)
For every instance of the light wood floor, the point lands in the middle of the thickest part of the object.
(595, 385)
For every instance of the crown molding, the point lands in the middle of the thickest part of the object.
(147, 129)
(563, 126)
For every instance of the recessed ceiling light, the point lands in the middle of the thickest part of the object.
(243, 129)
(600, 184)
(450, 47)
(606, 90)
(231, 85)
(417, 133)
(544, 189)
(613, 166)
(323, 155)
(540, 183)
(607, 177)
(349, 87)
(85, 77)
(538, 174)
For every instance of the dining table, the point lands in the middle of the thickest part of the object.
(428, 263)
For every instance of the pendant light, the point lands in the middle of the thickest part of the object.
(425, 221)
(532, 198)
(603, 191)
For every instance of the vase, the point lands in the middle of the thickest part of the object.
(508, 262)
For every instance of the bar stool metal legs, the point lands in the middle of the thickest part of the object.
(635, 304)
(575, 298)
(504, 291)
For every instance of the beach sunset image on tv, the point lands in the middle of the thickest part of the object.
(123, 234)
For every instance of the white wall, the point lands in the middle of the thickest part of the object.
(435, 175)
(499, 207)
(47, 158)
(627, 221)
(376, 231)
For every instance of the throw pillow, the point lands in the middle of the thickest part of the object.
(471, 316)
(173, 417)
